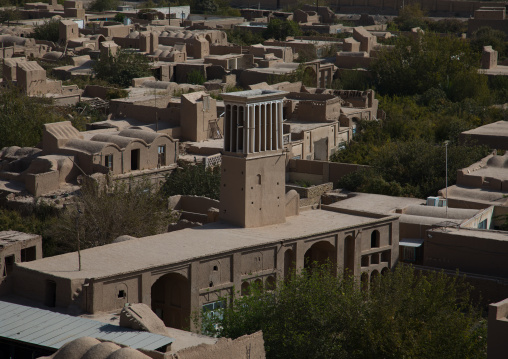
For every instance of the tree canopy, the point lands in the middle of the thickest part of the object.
(47, 31)
(418, 63)
(280, 29)
(103, 5)
(103, 211)
(317, 314)
(195, 180)
(122, 68)
(22, 118)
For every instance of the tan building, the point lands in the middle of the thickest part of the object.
(67, 153)
(494, 135)
(179, 272)
(16, 247)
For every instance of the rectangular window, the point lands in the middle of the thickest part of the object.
(482, 224)
(212, 311)
(9, 264)
(28, 254)
(409, 254)
(108, 162)
(161, 152)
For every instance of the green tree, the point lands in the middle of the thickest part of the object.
(194, 180)
(243, 37)
(103, 5)
(410, 16)
(487, 36)
(317, 314)
(119, 17)
(7, 15)
(419, 63)
(280, 29)
(196, 77)
(47, 31)
(122, 68)
(22, 118)
(102, 212)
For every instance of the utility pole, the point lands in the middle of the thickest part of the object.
(79, 244)
(446, 176)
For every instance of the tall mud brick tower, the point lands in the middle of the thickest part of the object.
(253, 164)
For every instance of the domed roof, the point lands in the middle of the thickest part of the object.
(164, 33)
(53, 55)
(127, 353)
(76, 349)
(101, 351)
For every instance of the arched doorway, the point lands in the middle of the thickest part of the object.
(320, 253)
(309, 77)
(171, 300)
(365, 281)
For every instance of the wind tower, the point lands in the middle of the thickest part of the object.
(253, 165)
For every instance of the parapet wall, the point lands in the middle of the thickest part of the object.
(246, 347)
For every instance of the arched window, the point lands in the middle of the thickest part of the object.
(374, 239)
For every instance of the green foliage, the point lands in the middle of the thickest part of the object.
(8, 15)
(194, 180)
(244, 37)
(406, 150)
(487, 36)
(131, 208)
(353, 80)
(36, 218)
(280, 29)
(196, 77)
(122, 68)
(22, 118)
(419, 63)
(410, 16)
(317, 314)
(119, 17)
(103, 5)
(444, 26)
(47, 31)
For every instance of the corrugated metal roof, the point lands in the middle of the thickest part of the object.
(52, 330)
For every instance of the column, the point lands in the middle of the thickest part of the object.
(246, 133)
(279, 122)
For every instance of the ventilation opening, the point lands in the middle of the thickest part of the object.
(121, 293)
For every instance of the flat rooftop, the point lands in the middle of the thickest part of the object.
(499, 128)
(8, 238)
(376, 203)
(476, 233)
(189, 244)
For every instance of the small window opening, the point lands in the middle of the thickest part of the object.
(121, 293)
(215, 268)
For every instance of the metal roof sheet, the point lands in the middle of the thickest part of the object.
(52, 330)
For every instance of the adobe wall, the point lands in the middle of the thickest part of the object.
(497, 330)
(39, 184)
(225, 49)
(320, 170)
(246, 347)
(213, 276)
(144, 114)
(475, 255)
(33, 285)
(475, 24)
(14, 249)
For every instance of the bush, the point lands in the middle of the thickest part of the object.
(196, 77)
(193, 180)
(280, 29)
(48, 31)
(103, 5)
(22, 118)
(122, 68)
